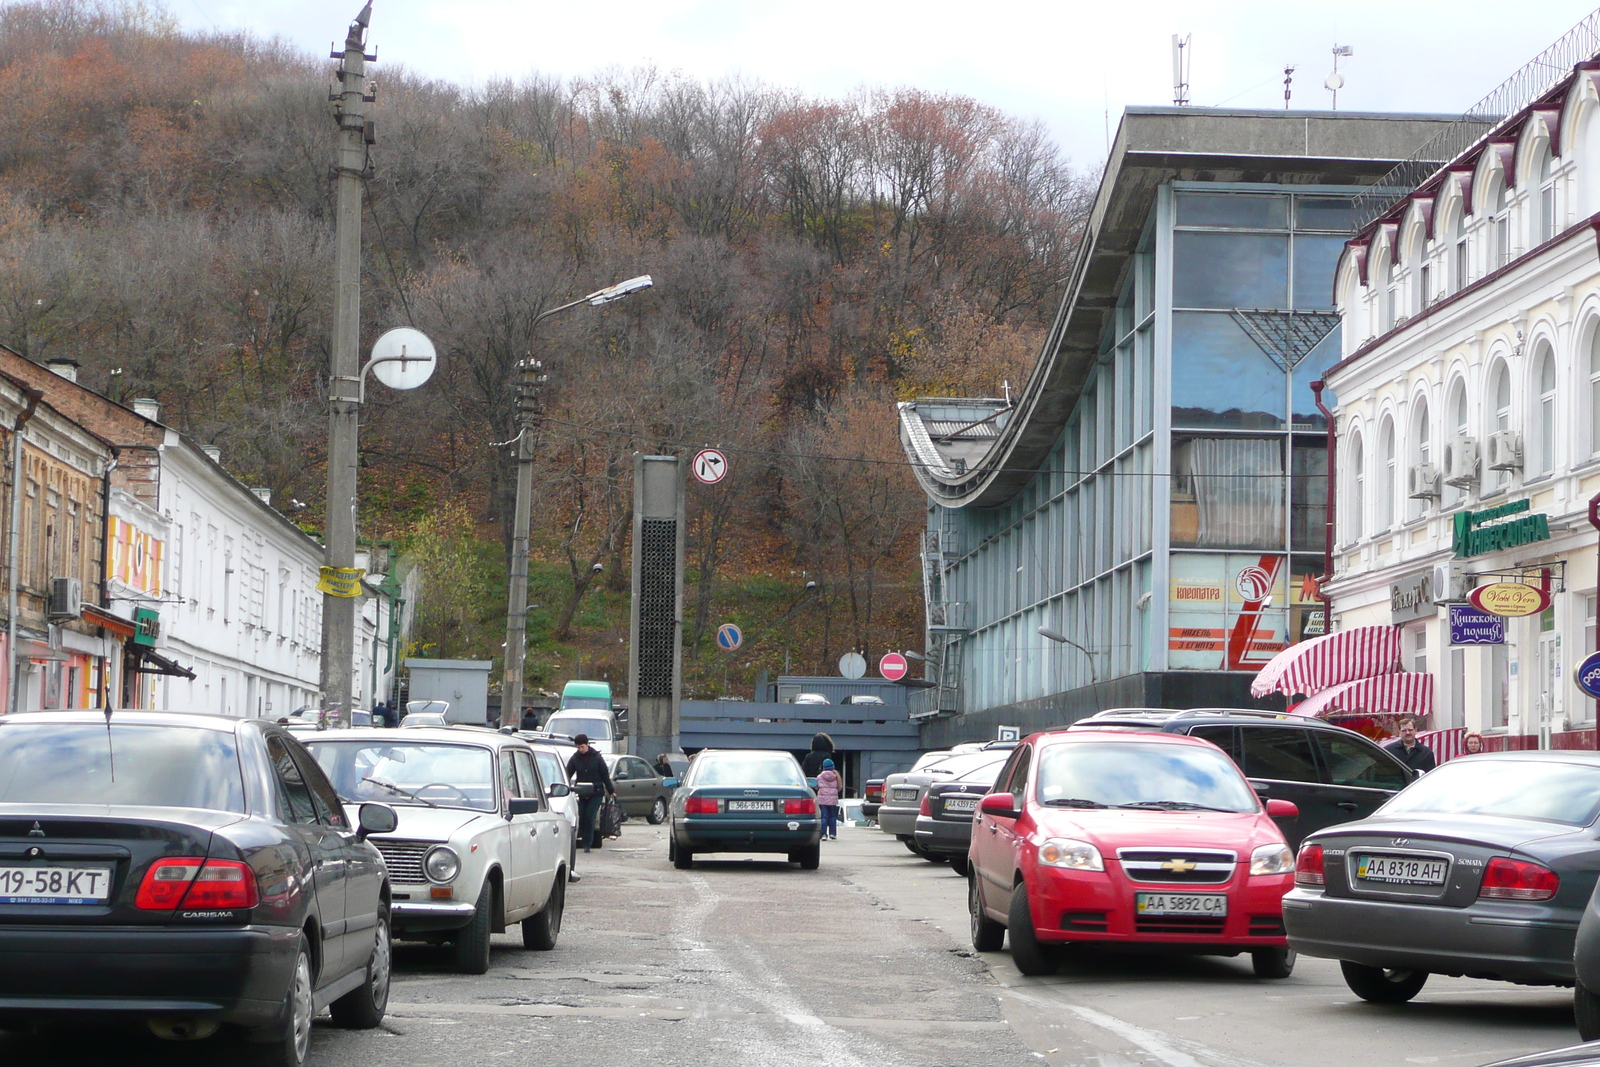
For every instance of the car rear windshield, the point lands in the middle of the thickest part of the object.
(595, 703)
(955, 766)
(748, 770)
(436, 775)
(1118, 774)
(147, 765)
(572, 725)
(1519, 789)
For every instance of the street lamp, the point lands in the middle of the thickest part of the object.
(1062, 639)
(527, 420)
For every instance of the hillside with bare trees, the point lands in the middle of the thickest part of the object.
(165, 219)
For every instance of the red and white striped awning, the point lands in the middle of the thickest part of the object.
(1323, 662)
(1387, 694)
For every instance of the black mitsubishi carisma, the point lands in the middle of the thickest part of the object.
(188, 872)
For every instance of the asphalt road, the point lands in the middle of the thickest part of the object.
(866, 962)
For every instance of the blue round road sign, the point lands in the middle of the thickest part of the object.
(1588, 675)
(729, 637)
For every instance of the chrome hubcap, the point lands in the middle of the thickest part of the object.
(382, 965)
(300, 1006)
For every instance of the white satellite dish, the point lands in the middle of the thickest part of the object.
(403, 358)
(1334, 81)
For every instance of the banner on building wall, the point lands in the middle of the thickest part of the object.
(340, 581)
(1226, 612)
(133, 557)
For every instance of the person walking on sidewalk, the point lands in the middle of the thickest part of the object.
(586, 766)
(828, 800)
(1408, 750)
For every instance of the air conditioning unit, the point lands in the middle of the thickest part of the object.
(66, 598)
(1422, 482)
(1449, 583)
(1461, 462)
(1505, 451)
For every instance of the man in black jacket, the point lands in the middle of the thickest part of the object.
(587, 765)
(1408, 750)
(821, 749)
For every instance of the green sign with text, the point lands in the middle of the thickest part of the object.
(1477, 532)
(146, 626)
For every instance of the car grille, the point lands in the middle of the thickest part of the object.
(903, 792)
(1179, 924)
(404, 859)
(1178, 866)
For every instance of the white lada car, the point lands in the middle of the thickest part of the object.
(478, 847)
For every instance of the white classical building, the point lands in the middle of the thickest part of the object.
(1468, 416)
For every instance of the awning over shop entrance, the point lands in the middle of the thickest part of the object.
(147, 661)
(1333, 659)
(1395, 694)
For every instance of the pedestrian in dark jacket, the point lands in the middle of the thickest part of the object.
(821, 749)
(1408, 750)
(588, 766)
(530, 720)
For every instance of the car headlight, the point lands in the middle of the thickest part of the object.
(1070, 854)
(442, 864)
(1272, 859)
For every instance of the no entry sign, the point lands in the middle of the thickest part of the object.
(893, 666)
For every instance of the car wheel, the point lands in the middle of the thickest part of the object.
(809, 859)
(1382, 985)
(472, 940)
(285, 1043)
(540, 931)
(933, 857)
(1273, 962)
(959, 865)
(987, 935)
(682, 858)
(658, 812)
(911, 845)
(362, 1008)
(1586, 1006)
(1030, 957)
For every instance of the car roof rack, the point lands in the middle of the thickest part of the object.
(1111, 714)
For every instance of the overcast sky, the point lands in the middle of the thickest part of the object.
(1065, 63)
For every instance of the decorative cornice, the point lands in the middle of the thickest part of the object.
(1464, 173)
(1505, 150)
(1425, 202)
(1551, 114)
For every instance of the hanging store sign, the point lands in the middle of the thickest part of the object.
(1473, 534)
(340, 581)
(1588, 675)
(1469, 626)
(146, 626)
(1412, 598)
(1510, 599)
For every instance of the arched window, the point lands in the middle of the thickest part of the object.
(1356, 506)
(1594, 392)
(1499, 414)
(1386, 477)
(1545, 171)
(1385, 292)
(1542, 429)
(1502, 226)
(1460, 250)
(1456, 429)
(1420, 449)
(1421, 271)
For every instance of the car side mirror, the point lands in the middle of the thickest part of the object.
(558, 790)
(1261, 788)
(1282, 809)
(812, 782)
(376, 819)
(620, 776)
(524, 805)
(669, 783)
(1000, 805)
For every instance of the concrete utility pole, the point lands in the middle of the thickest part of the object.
(344, 381)
(528, 390)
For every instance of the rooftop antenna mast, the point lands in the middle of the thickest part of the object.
(1180, 69)
(1288, 85)
(1335, 81)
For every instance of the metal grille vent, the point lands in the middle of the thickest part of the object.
(1177, 865)
(658, 558)
(404, 860)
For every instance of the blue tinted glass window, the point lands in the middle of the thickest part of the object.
(1244, 210)
(1220, 378)
(1230, 270)
(1315, 259)
(1314, 366)
(1324, 213)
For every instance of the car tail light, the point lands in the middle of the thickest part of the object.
(1308, 866)
(700, 806)
(800, 806)
(875, 792)
(927, 805)
(1507, 879)
(210, 885)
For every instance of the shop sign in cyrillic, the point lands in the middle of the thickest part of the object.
(1511, 599)
(340, 581)
(1412, 598)
(1473, 538)
(1469, 626)
(146, 626)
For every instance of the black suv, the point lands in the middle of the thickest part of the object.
(1331, 774)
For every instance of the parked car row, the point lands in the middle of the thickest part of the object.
(198, 872)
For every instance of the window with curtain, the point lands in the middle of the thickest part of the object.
(1502, 225)
(1594, 391)
(1421, 451)
(1547, 196)
(1355, 509)
(1544, 413)
(1458, 235)
(1386, 476)
(1228, 492)
(1500, 390)
(1457, 426)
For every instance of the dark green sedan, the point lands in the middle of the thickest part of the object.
(755, 800)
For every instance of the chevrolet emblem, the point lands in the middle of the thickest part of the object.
(1179, 866)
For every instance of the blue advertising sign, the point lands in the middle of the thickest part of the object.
(729, 637)
(1469, 626)
(1588, 675)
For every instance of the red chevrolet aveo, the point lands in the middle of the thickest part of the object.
(1128, 838)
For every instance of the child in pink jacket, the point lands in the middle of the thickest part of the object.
(828, 800)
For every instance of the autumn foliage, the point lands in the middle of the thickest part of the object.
(165, 219)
